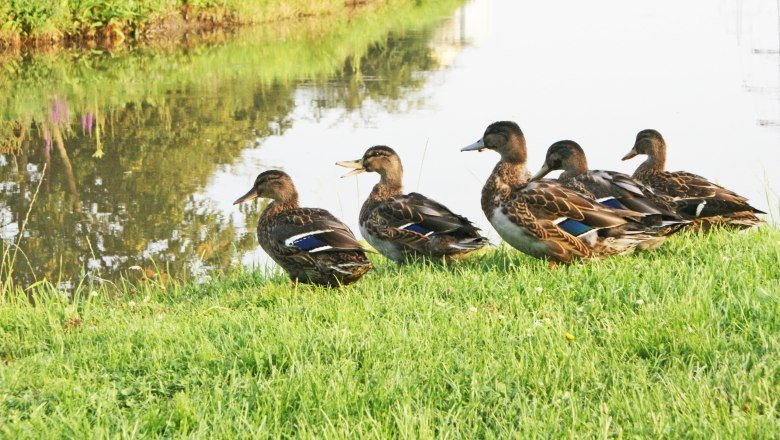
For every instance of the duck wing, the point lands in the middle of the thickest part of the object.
(621, 191)
(684, 184)
(560, 216)
(412, 219)
(312, 230)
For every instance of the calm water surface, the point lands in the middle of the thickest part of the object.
(146, 176)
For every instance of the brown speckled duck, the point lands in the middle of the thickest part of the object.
(545, 219)
(406, 227)
(614, 189)
(720, 206)
(310, 244)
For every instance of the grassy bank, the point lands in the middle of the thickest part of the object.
(52, 21)
(678, 342)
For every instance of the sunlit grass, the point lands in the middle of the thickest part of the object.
(680, 342)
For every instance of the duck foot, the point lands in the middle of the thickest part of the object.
(553, 265)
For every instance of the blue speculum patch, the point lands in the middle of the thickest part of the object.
(612, 203)
(574, 227)
(308, 243)
(417, 228)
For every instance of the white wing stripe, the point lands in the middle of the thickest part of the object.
(291, 241)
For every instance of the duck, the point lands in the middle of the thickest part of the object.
(545, 219)
(719, 207)
(613, 189)
(310, 244)
(408, 227)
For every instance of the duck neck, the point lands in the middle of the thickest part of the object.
(390, 184)
(281, 204)
(512, 174)
(574, 167)
(656, 160)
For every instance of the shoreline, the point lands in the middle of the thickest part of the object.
(176, 22)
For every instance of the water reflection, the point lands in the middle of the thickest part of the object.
(120, 180)
(177, 135)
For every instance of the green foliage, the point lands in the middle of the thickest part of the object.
(50, 18)
(34, 17)
(679, 342)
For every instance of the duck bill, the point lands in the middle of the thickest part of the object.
(252, 194)
(476, 146)
(543, 172)
(357, 166)
(630, 154)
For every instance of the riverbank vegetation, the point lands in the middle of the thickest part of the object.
(679, 342)
(45, 22)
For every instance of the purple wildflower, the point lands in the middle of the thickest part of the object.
(67, 112)
(47, 137)
(55, 112)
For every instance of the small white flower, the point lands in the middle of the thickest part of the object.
(537, 323)
(639, 302)
(541, 384)
(160, 317)
(131, 304)
(147, 298)
(539, 289)
(135, 268)
(93, 294)
(472, 309)
(501, 316)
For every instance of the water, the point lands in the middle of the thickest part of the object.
(150, 181)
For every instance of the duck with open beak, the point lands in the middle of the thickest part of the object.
(356, 165)
(406, 227)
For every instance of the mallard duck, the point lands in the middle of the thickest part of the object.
(720, 207)
(310, 244)
(405, 227)
(613, 189)
(545, 219)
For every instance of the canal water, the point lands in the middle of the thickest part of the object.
(112, 160)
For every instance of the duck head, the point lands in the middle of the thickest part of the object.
(563, 155)
(377, 159)
(503, 137)
(273, 184)
(649, 142)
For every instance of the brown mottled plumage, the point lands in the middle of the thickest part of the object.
(613, 189)
(310, 244)
(545, 219)
(405, 227)
(722, 207)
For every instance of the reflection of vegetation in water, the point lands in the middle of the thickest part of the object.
(123, 168)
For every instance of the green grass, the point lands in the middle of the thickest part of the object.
(680, 342)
